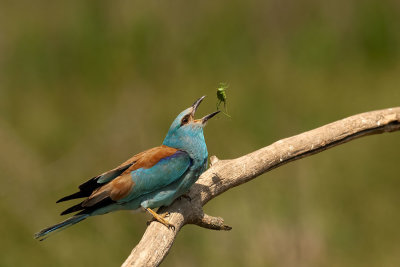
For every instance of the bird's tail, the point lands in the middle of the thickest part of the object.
(43, 234)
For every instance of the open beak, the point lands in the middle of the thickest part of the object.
(209, 116)
(205, 118)
(197, 104)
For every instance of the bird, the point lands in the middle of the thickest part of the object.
(148, 180)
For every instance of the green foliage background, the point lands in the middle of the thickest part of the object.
(86, 84)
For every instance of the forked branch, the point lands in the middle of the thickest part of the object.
(226, 174)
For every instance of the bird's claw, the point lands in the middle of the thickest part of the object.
(171, 226)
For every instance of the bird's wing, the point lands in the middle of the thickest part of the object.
(144, 159)
(166, 171)
(146, 172)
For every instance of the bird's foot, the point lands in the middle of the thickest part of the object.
(163, 215)
(160, 218)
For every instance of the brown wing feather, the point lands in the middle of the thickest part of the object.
(149, 158)
(115, 190)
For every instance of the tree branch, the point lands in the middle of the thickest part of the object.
(226, 174)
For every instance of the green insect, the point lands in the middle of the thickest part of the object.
(221, 95)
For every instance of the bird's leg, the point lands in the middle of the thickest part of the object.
(163, 215)
(160, 218)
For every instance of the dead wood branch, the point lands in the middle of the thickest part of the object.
(226, 174)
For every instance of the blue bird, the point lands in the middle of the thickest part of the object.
(148, 180)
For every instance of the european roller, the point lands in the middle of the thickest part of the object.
(148, 180)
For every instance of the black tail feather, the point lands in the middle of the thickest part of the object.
(74, 208)
(88, 209)
(87, 188)
(79, 194)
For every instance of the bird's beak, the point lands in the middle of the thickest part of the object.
(205, 118)
(209, 116)
(197, 104)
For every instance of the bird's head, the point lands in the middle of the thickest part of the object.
(185, 130)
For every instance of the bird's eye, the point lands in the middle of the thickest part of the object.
(185, 120)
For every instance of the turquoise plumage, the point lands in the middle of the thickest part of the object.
(148, 180)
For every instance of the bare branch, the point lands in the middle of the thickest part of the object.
(226, 174)
(213, 223)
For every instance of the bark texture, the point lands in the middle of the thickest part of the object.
(226, 174)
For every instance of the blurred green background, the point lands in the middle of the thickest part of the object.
(86, 84)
